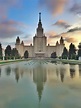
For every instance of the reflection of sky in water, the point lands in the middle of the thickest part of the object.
(40, 84)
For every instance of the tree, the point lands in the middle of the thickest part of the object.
(26, 54)
(79, 50)
(8, 51)
(14, 53)
(72, 51)
(1, 51)
(53, 55)
(65, 53)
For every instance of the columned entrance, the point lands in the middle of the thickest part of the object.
(39, 54)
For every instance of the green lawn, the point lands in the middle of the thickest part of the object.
(56, 60)
(71, 61)
(12, 61)
(67, 61)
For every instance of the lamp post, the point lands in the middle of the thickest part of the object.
(3, 53)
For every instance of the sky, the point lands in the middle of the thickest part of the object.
(59, 18)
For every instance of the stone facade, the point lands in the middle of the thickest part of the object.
(40, 47)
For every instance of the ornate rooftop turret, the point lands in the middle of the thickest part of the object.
(22, 43)
(40, 17)
(48, 44)
(61, 40)
(57, 43)
(18, 40)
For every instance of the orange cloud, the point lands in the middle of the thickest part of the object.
(51, 33)
(52, 37)
(54, 6)
(62, 23)
(69, 37)
(72, 37)
(71, 40)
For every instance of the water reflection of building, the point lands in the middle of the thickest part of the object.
(17, 70)
(62, 71)
(0, 72)
(57, 72)
(39, 77)
(16, 74)
(8, 71)
(72, 71)
(21, 73)
(79, 70)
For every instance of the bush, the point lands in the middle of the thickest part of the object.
(64, 57)
(53, 55)
(73, 56)
(1, 58)
(60, 57)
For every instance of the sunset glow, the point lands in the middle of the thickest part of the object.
(59, 18)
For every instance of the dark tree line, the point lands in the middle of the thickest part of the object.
(72, 53)
(65, 53)
(11, 53)
(79, 51)
(1, 51)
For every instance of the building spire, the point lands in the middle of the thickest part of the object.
(40, 17)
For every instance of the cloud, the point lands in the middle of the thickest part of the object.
(52, 37)
(4, 44)
(26, 36)
(27, 41)
(54, 6)
(5, 5)
(76, 8)
(11, 28)
(52, 34)
(71, 36)
(62, 23)
(70, 40)
(74, 29)
(55, 36)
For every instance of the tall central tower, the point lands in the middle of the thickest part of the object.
(40, 40)
(40, 29)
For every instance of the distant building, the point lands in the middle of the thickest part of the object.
(40, 47)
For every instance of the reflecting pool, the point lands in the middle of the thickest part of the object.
(40, 84)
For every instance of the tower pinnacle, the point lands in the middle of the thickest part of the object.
(40, 17)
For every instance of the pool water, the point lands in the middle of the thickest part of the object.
(40, 84)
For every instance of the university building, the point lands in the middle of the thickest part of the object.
(39, 48)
